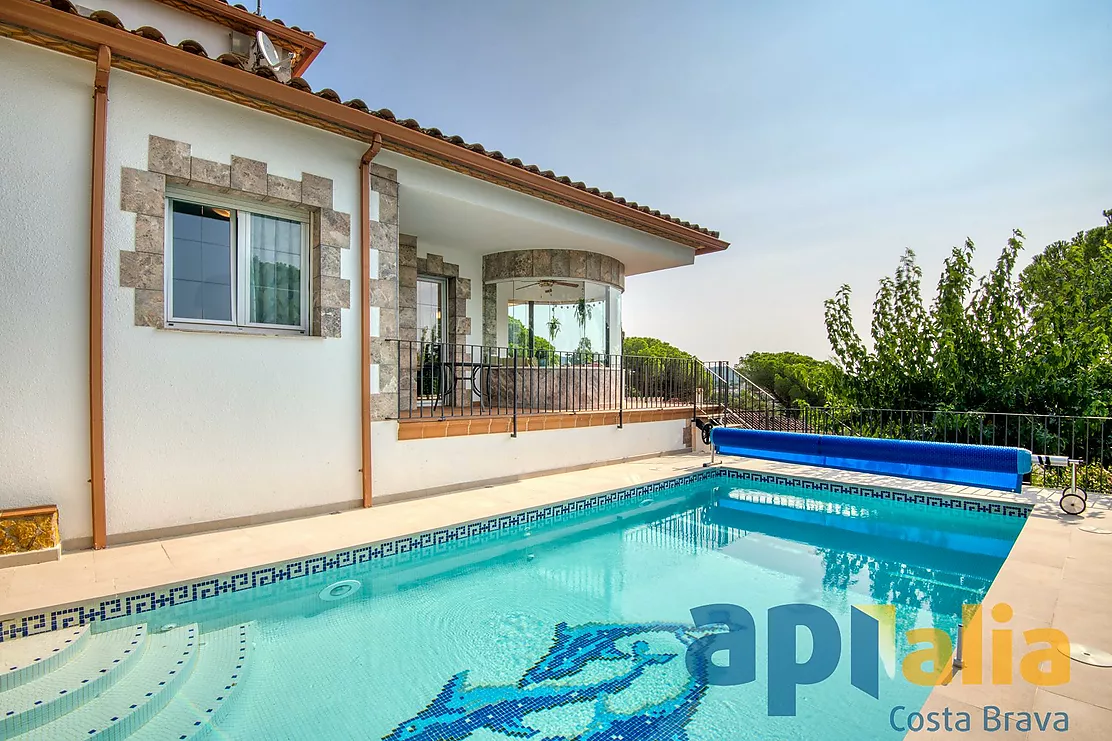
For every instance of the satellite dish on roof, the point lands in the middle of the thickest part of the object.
(267, 52)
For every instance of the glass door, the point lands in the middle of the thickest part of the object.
(432, 331)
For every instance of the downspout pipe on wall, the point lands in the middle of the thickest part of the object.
(365, 312)
(96, 298)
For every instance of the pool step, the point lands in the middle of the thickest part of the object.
(146, 689)
(100, 663)
(126, 683)
(199, 705)
(24, 659)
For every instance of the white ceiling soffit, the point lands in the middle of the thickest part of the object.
(451, 209)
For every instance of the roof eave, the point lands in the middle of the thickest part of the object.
(81, 36)
(306, 45)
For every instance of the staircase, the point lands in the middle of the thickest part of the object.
(739, 402)
(125, 683)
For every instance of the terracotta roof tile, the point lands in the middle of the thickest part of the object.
(107, 18)
(63, 5)
(232, 60)
(300, 84)
(193, 47)
(150, 32)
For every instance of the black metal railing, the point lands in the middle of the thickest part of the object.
(442, 381)
(1088, 439)
(439, 381)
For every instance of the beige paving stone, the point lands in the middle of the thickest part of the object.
(1019, 694)
(1030, 588)
(1089, 571)
(1086, 722)
(1091, 685)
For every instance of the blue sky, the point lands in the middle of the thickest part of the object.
(820, 138)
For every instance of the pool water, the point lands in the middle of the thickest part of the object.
(458, 645)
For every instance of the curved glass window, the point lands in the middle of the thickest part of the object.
(570, 317)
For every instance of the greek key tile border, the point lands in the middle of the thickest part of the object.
(978, 506)
(137, 603)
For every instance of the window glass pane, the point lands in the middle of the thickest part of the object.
(275, 265)
(187, 298)
(202, 264)
(430, 310)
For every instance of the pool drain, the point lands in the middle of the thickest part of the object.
(340, 590)
(1086, 654)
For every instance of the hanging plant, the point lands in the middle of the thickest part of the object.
(583, 312)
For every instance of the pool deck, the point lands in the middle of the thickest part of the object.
(1057, 575)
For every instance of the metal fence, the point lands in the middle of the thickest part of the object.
(442, 381)
(1088, 439)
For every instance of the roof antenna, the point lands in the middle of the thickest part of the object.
(259, 7)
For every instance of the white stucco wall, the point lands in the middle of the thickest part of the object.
(402, 466)
(206, 426)
(199, 427)
(44, 247)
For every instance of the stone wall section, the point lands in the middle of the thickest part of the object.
(432, 265)
(143, 192)
(386, 265)
(490, 314)
(540, 264)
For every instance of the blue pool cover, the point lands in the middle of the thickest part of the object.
(950, 463)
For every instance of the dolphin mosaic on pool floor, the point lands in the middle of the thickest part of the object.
(460, 709)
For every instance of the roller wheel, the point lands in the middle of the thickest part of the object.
(706, 432)
(1073, 503)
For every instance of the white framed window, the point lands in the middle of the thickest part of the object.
(236, 266)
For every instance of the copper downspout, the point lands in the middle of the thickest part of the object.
(96, 298)
(365, 311)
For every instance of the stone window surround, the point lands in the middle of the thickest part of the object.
(434, 266)
(143, 192)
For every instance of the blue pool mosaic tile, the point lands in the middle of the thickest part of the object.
(138, 603)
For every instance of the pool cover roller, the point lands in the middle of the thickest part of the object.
(949, 463)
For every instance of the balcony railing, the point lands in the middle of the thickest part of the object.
(442, 381)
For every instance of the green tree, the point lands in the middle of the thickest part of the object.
(520, 338)
(1039, 343)
(1066, 292)
(650, 347)
(792, 378)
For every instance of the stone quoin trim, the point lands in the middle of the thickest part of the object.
(459, 292)
(143, 192)
(384, 259)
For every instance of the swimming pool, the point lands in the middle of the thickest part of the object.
(576, 626)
